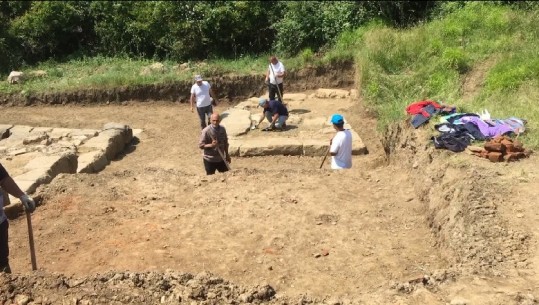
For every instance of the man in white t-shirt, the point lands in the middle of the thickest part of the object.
(201, 92)
(340, 145)
(274, 78)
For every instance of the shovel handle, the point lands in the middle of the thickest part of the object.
(325, 156)
(31, 240)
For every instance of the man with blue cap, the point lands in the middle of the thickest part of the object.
(340, 145)
(275, 112)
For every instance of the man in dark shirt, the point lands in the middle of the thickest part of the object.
(275, 112)
(214, 143)
(8, 184)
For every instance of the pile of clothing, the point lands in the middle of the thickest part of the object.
(459, 130)
(422, 111)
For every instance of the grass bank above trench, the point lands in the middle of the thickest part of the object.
(476, 56)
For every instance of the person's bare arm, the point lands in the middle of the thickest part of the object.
(261, 118)
(9, 185)
(274, 120)
(267, 75)
(192, 100)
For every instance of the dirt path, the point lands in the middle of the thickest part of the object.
(276, 220)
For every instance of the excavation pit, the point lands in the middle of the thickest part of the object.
(308, 129)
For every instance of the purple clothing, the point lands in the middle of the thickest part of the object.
(486, 129)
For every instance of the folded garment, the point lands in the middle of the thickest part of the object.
(516, 124)
(421, 118)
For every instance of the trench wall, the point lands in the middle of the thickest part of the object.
(229, 88)
(460, 203)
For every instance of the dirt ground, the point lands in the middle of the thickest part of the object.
(388, 231)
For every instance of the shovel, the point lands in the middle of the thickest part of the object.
(222, 155)
(325, 156)
(278, 89)
(31, 240)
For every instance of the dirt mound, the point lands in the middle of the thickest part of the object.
(130, 288)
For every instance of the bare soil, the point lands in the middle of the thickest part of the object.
(406, 225)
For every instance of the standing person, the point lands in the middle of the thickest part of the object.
(201, 92)
(214, 143)
(8, 184)
(340, 145)
(274, 78)
(275, 112)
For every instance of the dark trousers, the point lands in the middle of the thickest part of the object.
(273, 90)
(4, 247)
(202, 112)
(210, 167)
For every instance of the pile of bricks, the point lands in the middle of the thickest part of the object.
(501, 148)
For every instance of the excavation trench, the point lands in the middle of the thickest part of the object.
(403, 219)
(461, 197)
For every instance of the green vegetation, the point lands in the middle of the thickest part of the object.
(36, 31)
(488, 47)
(475, 55)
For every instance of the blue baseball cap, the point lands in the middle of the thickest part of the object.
(337, 119)
(261, 102)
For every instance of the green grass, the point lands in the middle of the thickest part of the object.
(102, 73)
(495, 44)
(432, 61)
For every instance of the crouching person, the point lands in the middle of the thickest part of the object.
(275, 112)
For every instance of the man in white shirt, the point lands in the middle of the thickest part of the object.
(340, 145)
(201, 92)
(274, 78)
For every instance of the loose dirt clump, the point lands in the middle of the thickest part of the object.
(130, 288)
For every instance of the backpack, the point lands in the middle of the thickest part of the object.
(455, 141)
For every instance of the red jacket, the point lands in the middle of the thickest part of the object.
(417, 107)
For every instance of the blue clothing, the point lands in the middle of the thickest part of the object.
(420, 118)
(276, 107)
(281, 121)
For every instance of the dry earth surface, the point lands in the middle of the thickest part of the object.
(414, 226)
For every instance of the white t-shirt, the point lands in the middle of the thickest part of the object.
(202, 94)
(279, 67)
(342, 145)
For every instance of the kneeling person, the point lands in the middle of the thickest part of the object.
(275, 112)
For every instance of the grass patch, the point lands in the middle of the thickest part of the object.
(430, 61)
(105, 72)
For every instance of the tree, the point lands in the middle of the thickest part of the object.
(51, 29)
